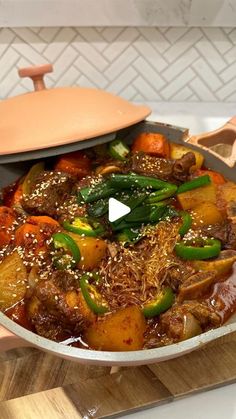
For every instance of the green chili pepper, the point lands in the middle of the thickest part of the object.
(129, 236)
(163, 193)
(119, 181)
(139, 216)
(98, 191)
(193, 184)
(169, 212)
(210, 248)
(91, 295)
(161, 303)
(118, 149)
(98, 208)
(84, 226)
(70, 255)
(187, 222)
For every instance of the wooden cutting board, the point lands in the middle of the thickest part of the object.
(35, 385)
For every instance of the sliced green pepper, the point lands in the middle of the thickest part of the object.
(129, 236)
(98, 208)
(210, 248)
(146, 214)
(70, 255)
(84, 226)
(161, 303)
(92, 296)
(195, 183)
(118, 149)
(163, 193)
(132, 180)
(98, 191)
(187, 222)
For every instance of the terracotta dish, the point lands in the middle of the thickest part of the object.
(47, 123)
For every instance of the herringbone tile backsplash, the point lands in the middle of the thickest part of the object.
(141, 64)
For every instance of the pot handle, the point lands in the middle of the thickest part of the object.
(36, 74)
(221, 142)
(9, 341)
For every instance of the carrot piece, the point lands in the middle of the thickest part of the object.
(152, 143)
(7, 218)
(33, 234)
(216, 177)
(76, 164)
(29, 237)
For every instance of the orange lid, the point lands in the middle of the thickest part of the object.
(54, 117)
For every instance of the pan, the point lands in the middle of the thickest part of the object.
(219, 150)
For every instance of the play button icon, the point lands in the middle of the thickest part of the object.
(116, 209)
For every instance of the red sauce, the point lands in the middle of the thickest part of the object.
(17, 313)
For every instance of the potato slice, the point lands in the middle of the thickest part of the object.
(92, 250)
(119, 331)
(191, 199)
(178, 150)
(205, 214)
(13, 280)
(221, 265)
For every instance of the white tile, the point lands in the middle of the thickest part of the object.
(111, 33)
(7, 63)
(229, 73)
(91, 72)
(128, 93)
(145, 89)
(126, 37)
(201, 90)
(207, 74)
(6, 38)
(210, 54)
(183, 44)
(174, 86)
(218, 39)
(148, 73)
(48, 34)
(94, 37)
(227, 90)
(175, 68)
(230, 56)
(65, 60)
(156, 39)
(146, 50)
(30, 37)
(121, 63)
(173, 34)
(182, 95)
(122, 81)
(62, 39)
(90, 53)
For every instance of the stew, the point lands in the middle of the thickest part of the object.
(162, 273)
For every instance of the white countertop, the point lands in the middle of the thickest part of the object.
(117, 13)
(214, 404)
(219, 403)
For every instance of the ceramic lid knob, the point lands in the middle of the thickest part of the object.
(36, 74)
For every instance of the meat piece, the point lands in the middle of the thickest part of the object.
(225, 232)
(55, 307)
(169, 170)
(203, 313)
(182, 166)
(48, 193)
(172, 321)
(64, 280)
(152, 166)
(177, 274)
